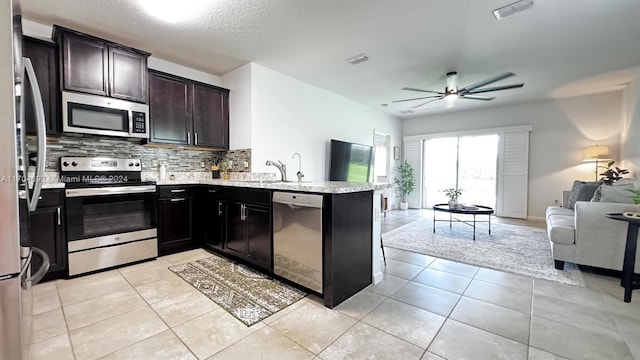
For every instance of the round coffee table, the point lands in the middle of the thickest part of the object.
(465, 210)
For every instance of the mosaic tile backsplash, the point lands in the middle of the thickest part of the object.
(175, 159)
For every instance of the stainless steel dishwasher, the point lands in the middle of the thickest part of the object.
(297, 238)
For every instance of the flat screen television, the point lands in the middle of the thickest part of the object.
(350, 162)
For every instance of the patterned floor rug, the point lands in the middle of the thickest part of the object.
(512, 248)
(245, 293)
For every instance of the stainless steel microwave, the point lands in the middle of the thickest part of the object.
(99, 115)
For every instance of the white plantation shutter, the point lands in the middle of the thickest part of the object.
(513, 174)
(413, 155)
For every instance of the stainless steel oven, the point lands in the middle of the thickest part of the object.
(110, 214)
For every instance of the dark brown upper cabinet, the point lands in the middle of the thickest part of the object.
(44, 58)
(97, 66)
(186, 112)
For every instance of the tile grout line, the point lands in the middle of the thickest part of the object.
(64, 315)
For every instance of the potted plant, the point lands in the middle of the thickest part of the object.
(612, 175)
(453, 194)
(405, 183)
(225, 166)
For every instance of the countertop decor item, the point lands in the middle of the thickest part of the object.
(225, 166)
(405, 183)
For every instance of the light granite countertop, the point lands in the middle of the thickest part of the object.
(247, 180)
(324, 187)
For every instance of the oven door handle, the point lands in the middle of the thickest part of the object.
(116, 190)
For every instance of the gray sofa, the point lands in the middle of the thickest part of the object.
(584, 235)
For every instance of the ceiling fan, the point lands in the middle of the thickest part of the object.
(451, 91)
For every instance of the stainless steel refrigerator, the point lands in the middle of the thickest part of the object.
(18, 195)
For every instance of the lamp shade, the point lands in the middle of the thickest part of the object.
(596, 152)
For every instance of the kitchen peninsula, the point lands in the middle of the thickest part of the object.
(235, 218)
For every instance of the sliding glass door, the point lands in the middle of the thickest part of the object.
(466, 162)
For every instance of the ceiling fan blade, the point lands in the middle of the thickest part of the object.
(486, 82)
(497, 88)
(430, 101)
(471, 97)
(420, 90)
(420, 98)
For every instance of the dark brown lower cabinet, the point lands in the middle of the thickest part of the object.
(47, 232)
(212, 217)
(176, 224)
(248, 233)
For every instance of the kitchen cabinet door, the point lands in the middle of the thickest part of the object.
(235, 239)
(97, 66)
(44, 57)
(210, 117)
(46, 231)
(175, 228)
(258, 228)
(170, 110)
(127, 75)
(212, 218)
(84, 65)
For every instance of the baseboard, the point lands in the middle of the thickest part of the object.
(377, 277)
(535, 218)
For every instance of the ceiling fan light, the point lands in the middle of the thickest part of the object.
(451, 96)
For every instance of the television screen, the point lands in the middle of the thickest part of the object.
(350, 162)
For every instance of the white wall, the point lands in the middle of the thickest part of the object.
(291, 116)
(630, 127)
(561, 129)
(238, 81)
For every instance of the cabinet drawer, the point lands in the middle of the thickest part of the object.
(214, 192)
(251, 196)
(50, 198)
(175, 191)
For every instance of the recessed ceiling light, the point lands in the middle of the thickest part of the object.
(358, 59)
(173, 11)
(513, 8)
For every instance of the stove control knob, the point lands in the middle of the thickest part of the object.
(137, 164)
(74, 163)
(130, 164)
(65, 164)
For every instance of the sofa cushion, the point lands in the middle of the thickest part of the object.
(581, 191)
(557, 210)
(614, 193)
(560, 229)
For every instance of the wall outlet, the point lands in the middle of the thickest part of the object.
(230, 164)
(246, 164)
(202, 164)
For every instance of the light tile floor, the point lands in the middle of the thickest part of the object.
(425, 308)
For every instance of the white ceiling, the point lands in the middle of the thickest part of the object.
(558, 48)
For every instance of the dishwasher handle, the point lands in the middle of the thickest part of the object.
(298, 200)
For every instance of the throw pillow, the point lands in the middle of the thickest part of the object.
(616, 194)
(577, 195)
(586, 191)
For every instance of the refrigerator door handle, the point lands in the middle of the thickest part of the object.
(41, 129)
(41, 272)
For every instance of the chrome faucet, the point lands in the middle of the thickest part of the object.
(282, 167)
(299, 174)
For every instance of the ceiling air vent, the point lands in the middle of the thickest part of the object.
(513, 8)
(358, 59)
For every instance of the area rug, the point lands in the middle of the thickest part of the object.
(243, 292)
(517, 249)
